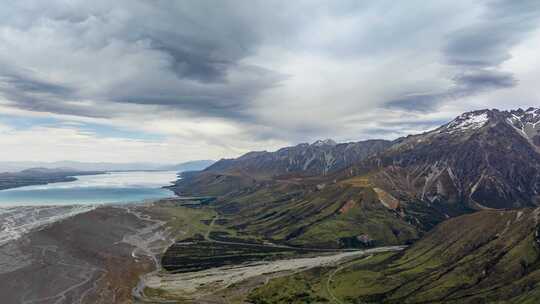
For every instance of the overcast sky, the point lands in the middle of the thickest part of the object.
(170, 81)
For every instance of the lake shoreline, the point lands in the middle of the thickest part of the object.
(110, 187)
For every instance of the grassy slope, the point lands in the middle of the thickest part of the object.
(486, 257)
(184, 222)
(299, 211)
(318, 285)
(303, 214)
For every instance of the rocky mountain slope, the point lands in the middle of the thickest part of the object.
(254, 169)
(481, 159)
(320, 158)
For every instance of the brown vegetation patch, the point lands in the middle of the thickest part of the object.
(386, 199)
(347, 206)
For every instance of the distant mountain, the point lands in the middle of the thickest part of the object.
(47, 171)
(195, 165)
(285, 197)
(40, 176)
(6, 166)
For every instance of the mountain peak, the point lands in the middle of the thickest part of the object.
(531, 112)
(324, 142)
(469, 121)
(527, 123)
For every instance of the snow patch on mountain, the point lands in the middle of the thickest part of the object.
(325, 142)
(527, 123)
(468, 121)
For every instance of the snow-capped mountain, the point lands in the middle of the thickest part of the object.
(481, 159)
(468, 121)
(527, 124)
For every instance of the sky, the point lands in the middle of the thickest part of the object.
(171, 81)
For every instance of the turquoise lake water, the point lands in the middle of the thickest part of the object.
(114, 187)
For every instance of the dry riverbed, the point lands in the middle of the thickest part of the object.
(209, 286)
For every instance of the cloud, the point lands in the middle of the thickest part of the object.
(487, 43)
(187, 59)
(65, 142)
(466, 84)
(34, 86)
(232, 76)
(476, 51)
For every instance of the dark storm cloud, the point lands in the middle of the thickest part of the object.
(476, 51)
(203, 40)
(34, 94)
(465, 84)
(416, 102)
(33, 86)
(477, 81)
(192, 64)
(208, 96)
(488, 42)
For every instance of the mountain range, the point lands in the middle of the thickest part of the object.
(319, 158)
(464, 196)
(392, 191)
(6, 166)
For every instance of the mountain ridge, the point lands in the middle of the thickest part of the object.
(319, 158)
(477, 152)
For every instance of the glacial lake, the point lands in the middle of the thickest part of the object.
(112, 187)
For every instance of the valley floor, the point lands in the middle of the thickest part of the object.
(232, 284)
(165, 252)
(112, 255)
